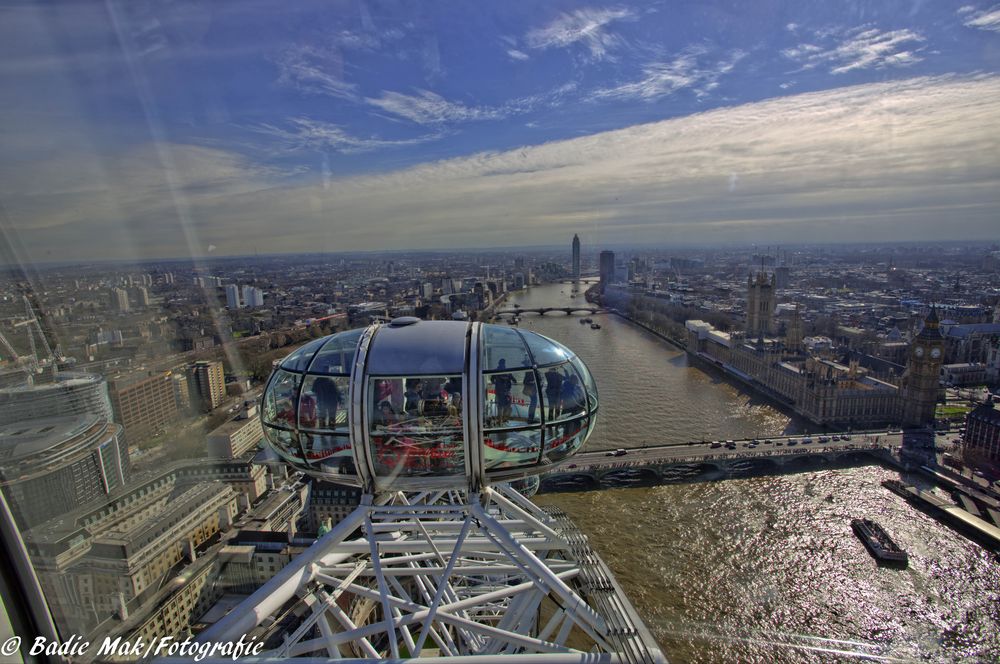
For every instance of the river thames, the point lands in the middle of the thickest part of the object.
(763, 569)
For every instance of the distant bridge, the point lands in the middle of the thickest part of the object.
(541, 311)
(699, 462)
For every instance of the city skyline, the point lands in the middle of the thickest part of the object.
(153, 132)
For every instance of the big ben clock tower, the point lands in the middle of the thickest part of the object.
(923, 368)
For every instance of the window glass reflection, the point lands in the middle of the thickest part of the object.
(503, 349)
(323, 403)
(564, 439)
(587, 383)
(280, 398)
(299, 360)
(544, 350)
(330, 450)
(511, 449)
(511, 399)
(338, 353)
(564, 395)
(416, 425)
(284, 442)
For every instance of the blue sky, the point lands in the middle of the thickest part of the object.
(142, 128)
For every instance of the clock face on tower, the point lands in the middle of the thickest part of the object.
(936, 353)
(919, 351)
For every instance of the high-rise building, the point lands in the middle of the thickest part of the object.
(252, 297)
(576, 257)
(921, 381)
(208, 384)
(182, 392)
(761, 304)
(233, 296)
(66, 394)
(144, 403)
(607, 265)
(119, 299)
(143, 296)
(51, 466)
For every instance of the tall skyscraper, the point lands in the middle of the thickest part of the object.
(233, 296)
(208, 383)
(607, 265)
(576, 257)
(143, 296)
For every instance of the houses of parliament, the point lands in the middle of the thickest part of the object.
(825, 391)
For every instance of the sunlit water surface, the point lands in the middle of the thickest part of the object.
(764, 569)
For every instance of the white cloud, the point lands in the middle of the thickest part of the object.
(309, 134)
(875, 162)
(986, 19)
(516, 54)
(427, 107)
(316, 71)
(588, 27)
(863, 47)
(689, 69)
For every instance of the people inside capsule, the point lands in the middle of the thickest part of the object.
(537, 409)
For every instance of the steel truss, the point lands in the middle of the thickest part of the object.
(465, 576)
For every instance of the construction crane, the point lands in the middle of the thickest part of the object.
(33, 363)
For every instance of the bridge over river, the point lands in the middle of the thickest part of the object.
(707, 461)
(541, 311)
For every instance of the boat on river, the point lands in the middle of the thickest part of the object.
(878, 542)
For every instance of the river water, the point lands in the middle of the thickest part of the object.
(763, 569)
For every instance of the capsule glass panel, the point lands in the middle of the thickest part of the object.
(416, 426)
(280, 399)
(564, 439)
(511, 449)
(337, 355)
(510, 399)
(299, 359)
(564, 396)
(503, 348)
(285, 443)
(544, 350)
(323, 403)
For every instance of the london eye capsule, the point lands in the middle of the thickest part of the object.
(415, 404)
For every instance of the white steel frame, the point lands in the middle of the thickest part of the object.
(467, 576)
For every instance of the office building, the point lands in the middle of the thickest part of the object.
(236, 437)
(208, 384)
(607, 267)
(233, 296)
(68, 393)
(182, 392)
(51, 466)
(253, 297)
(110, 559)
(144, 403)
(119, 299)
(576, 257)
(982, 432)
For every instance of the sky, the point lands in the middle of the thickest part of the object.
(134, 129)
